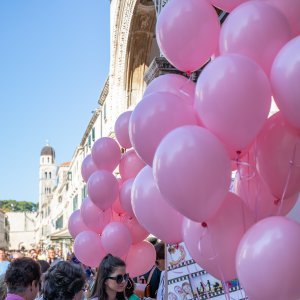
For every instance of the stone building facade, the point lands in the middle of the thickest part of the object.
(22, 230)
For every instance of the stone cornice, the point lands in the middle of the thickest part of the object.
(104, 92)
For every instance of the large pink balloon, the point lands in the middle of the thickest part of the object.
(106, 154)
(155, 116)
(138, 232)
(278, 157)
(88, 167)
(267, 255)
(227, 5)
(94, 218)
(291, 10)
(257, 30)
(130, 165)
(88, 248)
(152, 211)
(233, 99)
(285, 76)
(121, 129)
(257, 196)
(116, 239)
(193, 172)
(175, 84)
(103, 189)
(76, 224)
(187, 33)
(213, 244)
(125, 196)
(140, 259)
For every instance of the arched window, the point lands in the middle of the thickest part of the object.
(48, 159)
(46, 175)
(50, 175)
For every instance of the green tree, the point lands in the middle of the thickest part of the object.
(19, 206)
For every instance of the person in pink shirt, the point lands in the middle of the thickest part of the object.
(22, 279)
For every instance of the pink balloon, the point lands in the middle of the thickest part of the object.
(257, 196)
(152, 211)
(76, 224)
(103, 189)
(285, 76)
(187, 33)
(94, 218)
(155, 116)
(267, 255)
(291, 10)
(138, 232)
(213, 244)
(117, 207)
(257, 30)
(121, 129)
(106, 154)
(174, 84)
(88, 248)
(116, 239)
(227, 5)
(278, 157)
(125, 196)
(193, 172)
(233, 104)
(141, 258)
(88, 167)
(130, 165)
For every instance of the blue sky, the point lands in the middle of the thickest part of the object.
(54, 59)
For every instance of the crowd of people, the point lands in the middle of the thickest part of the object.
(30, 278)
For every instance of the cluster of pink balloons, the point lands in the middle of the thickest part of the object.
(185, 139)
(254, 56)
(105, 223)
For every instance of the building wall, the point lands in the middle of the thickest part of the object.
(4, 234)
(22, 230)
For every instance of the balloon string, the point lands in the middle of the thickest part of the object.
(188, 80)
(205, 292)
(248, 177)
(291, 165)
(225, 289)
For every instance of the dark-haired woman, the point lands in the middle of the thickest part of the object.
(129, 290)
(111, 280)
(63, 281)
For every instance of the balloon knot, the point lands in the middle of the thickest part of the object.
(204, 224)
(276, 201)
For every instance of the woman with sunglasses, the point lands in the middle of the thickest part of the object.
(111, 280)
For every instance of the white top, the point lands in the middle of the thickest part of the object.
(161, 287)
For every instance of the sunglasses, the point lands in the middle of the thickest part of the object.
(119, 278)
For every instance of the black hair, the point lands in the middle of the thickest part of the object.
(44, 265)
(160, 250)
(21, 273)
(107, 266)
(63, 281)
(129, 290)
